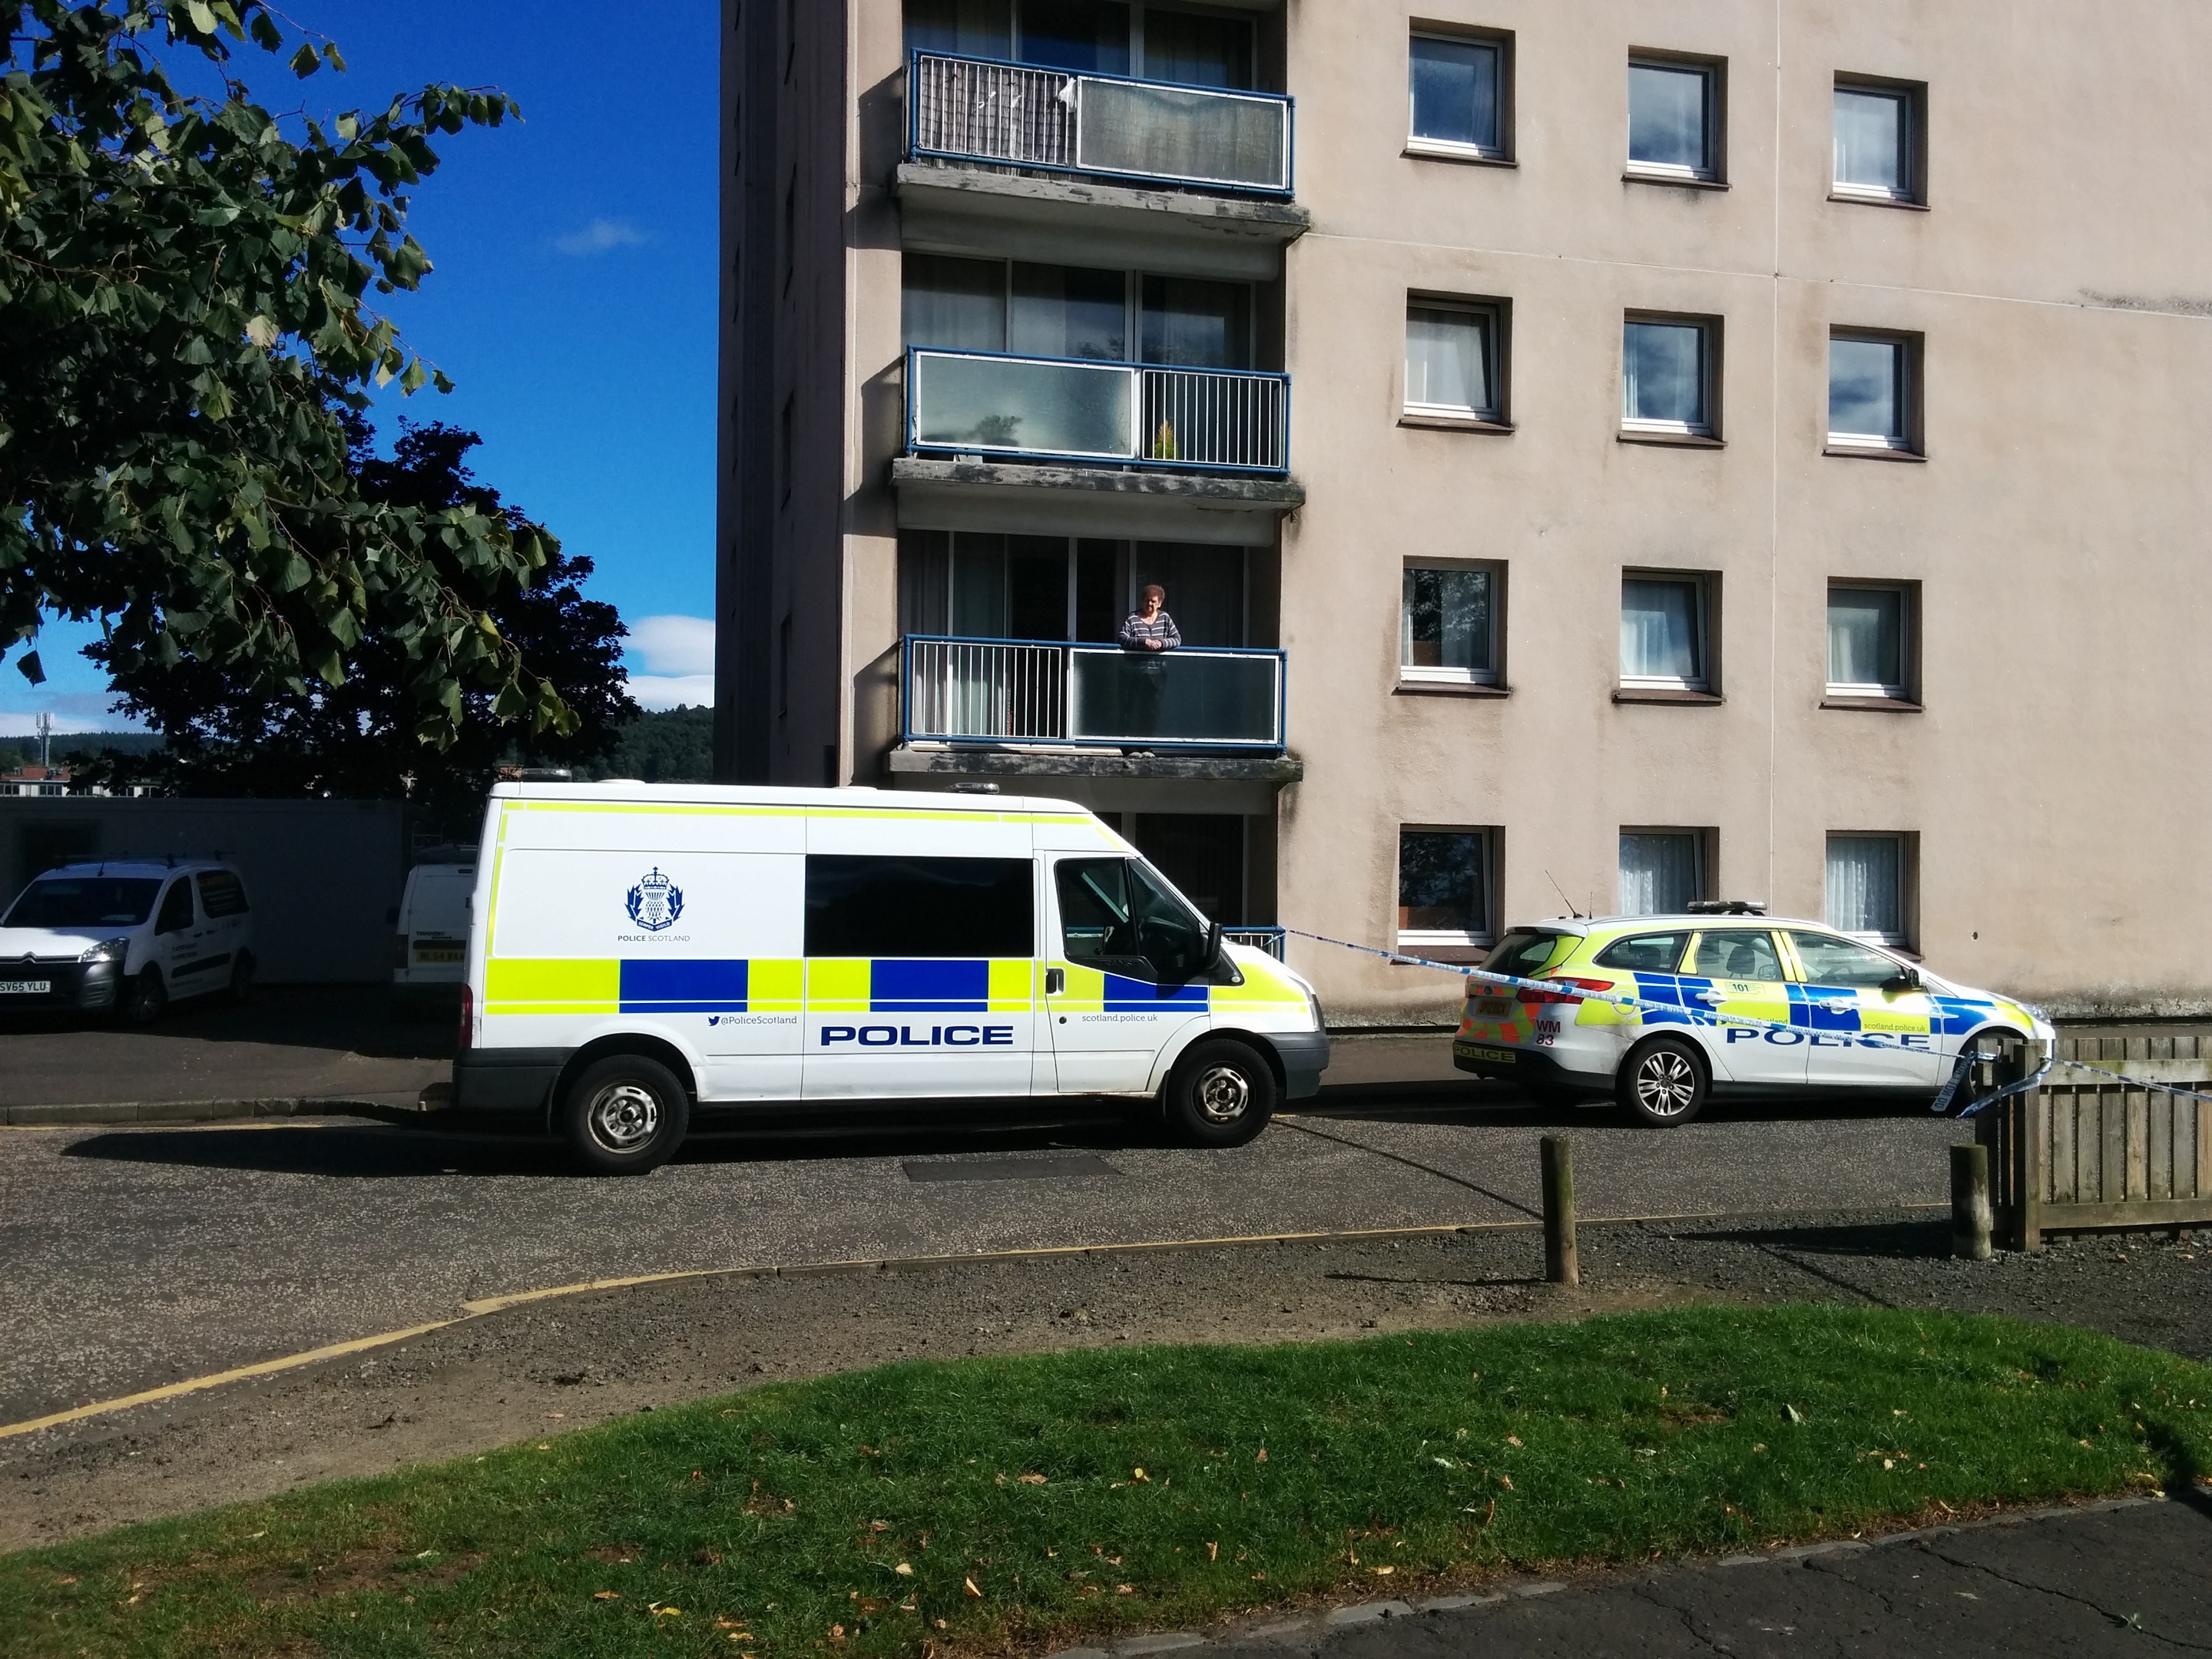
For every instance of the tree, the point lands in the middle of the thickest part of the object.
(183, 325)
(228, 734)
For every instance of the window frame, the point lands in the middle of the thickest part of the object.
(1706, 841)
(1713, 175)
(1703, 687)
(1489, 861)
(1907, 692)
(1913, 95)
(1496, 315)
(1447, 149)
(1428, 678)
(1909, 445)
(1644, 429)
(1908, 888)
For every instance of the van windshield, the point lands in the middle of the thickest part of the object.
(85, 902)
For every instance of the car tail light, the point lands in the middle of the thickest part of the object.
(468, 1016)
(1526, 995)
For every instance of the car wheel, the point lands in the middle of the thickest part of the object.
(1220, 1094)
(1662, 1083)
(147, 1000)
(625, 1115)
(242, 978)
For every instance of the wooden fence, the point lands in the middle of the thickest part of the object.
(2086, 1152)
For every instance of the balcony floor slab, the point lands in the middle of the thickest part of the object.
(1028, 498)
(951, 208)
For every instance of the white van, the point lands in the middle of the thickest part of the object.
(637, 950)
(430, 951)
(130, 935)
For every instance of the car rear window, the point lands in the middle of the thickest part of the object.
(1523, 954)
(85, 902)
(1644, 953)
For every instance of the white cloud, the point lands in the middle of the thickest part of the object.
(673, 690)
(600, 236)
(674, 645)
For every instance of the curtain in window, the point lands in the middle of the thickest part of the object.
(1192, 323)
(1198, 50)
(1444, 623)
(1448, 360)
(1660, 873)
(1455, 92)
(1870, 140)
(1866, 638)
(974, 28)
(1663, 374)
(1660, 633)
(1205, 585)
(1067, 311)
(1667, 116)
(1866, 885)
(955, 305)
(1088, 36)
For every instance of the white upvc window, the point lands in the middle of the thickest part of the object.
(1666, 632)
(1869, 881)
(1448, 624)
(1458, 94)
(1870, 639)
(1675, 119)
(1872, 394)
(1667, 376)
(1446, 881)
(1662, 871)
(1452, 359)
(1877, 141)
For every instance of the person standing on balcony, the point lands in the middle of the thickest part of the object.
(1148, 634)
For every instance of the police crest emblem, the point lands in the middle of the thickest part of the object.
(655, 902)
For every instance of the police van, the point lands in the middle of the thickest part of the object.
(642, 953)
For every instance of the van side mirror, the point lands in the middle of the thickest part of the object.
(1212, 946)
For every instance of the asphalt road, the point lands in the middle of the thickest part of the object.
(137, 1257)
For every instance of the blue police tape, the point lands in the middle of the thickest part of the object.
(1967, 1057)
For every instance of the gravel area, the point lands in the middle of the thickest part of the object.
(571, 1361)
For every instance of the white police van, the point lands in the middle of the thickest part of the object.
(639, 951)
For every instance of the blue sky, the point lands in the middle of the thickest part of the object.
(573, 300)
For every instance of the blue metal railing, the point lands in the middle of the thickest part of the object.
(1115, 126)
(1083, 409)
(1016, 693)
(1269, 939)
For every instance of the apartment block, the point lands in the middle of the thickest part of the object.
(1596, 456)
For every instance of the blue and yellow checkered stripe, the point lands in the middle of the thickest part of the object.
(672, 986)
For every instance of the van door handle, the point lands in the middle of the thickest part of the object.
(1055, 982)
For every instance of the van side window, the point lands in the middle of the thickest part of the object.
(920, 907)
(176, 906)
(222, 894)
(1116, 917)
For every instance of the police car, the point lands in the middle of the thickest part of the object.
(1734, 1004)
(127, 935)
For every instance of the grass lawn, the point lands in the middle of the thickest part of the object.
(987, 1501)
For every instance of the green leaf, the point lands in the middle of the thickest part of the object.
(331, 56)
(30, 669)
(306, 61)
(203, 16)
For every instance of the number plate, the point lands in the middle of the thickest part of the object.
(1494, 1007)
(26, 987)
(440, 953)
(1477, 1051)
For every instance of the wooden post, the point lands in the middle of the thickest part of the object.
(1969, 1202)
(2034, 1120)
(1562, 1265)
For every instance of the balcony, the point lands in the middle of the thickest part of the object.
(979, 110)
(1031, 693)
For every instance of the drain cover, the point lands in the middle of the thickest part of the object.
(1056, 1167)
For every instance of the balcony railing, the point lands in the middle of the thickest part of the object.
(1019, 692)
(1202, 420)
(979, 109)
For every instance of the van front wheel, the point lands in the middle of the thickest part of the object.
(1220, 1094)
(624, 1115)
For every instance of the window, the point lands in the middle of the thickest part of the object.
(1877, 141)
(1459, 96)
(1448, 626)
(1444, 886)
(1870, 640)
(1116, 916)
(69, 902)
(176, 908)
(1666, 379)
(1871, 394)
(1674, 120)
(1452, 359)
(1665, 637)
(1867, 886)
(222, 894)
(1736, 953)
(1662, 871)
(1526, 955)
(1644, 953)
(963, 909)
(1828, 960)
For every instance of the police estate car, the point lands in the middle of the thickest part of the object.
(1735, 1004)
(127, 935)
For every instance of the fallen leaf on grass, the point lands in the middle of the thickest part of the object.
(972, 1590)
(903, 1570)
(1384, 1572)
(1512, 1440)
(1262, 1458)
(1125, 1589)
(606, 1595)
(1032, 1480)
(1506, 1481)
(1138, 1474)
(1213, 1551)
(836, 1632)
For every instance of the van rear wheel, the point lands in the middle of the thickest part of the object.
(1220, 1094)
(625, 1115)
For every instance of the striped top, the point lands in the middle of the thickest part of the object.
(1135, 631)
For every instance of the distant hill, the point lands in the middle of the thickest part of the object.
(666, 745)
(76, 745)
